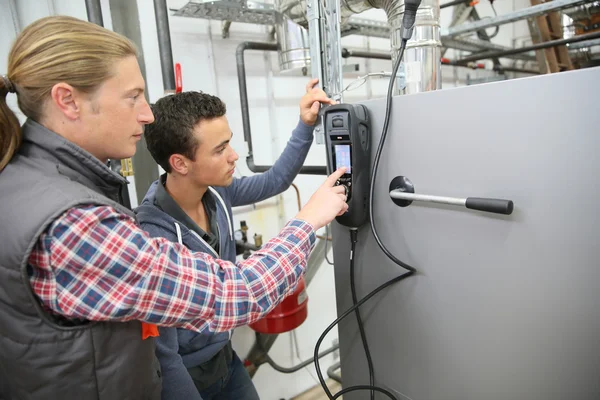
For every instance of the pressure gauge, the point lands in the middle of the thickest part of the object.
(238, 235)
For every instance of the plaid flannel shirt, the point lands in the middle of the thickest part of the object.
(95, 263)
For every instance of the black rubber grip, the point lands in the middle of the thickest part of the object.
(497, 206)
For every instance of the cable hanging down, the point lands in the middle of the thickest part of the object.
(410, 269)
(408, 21)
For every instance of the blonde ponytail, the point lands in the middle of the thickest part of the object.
(10, 130)
(49, 51)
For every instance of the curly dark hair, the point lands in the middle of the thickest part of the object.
(175, 118)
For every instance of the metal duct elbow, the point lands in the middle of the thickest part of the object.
(292, 36)
(421, 67)
(351, 7)
(294, 10)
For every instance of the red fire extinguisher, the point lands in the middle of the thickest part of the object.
(288, 315)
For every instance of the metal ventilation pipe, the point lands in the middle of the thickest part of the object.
(420, 70)
(292, 38)
(94, 12)
(422, 65)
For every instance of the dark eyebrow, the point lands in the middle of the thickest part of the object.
(223, 143)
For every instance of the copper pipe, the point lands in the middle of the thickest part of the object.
(300, 207)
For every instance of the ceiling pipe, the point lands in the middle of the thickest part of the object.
(161, 15)
(347, 53)
(423, 50)
(94, 12)
(241, 71)
(539, 46)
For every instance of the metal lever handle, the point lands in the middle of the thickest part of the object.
(498, 206)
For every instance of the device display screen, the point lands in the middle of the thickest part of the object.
(342, 157)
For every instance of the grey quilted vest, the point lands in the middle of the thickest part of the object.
(42, 356)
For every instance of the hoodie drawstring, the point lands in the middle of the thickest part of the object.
(178, 229)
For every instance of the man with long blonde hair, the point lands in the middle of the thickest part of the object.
(77, 274)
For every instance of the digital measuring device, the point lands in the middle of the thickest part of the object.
(348, 144)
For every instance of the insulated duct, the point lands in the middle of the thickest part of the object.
(293, 40)
(420, 70)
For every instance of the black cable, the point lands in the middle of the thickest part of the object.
(361, 328)
(483, 34)
(386, 123)
(407, 27)
(364, 387)
(410, 270)
(341, 317)
(327, 240)
(495, 15)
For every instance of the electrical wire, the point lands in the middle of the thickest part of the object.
(483, 34)
(408, 22)
(409, 269)
(386, 123)
(334, 323)
(361, 328)
(364, 387)
(358, 82)
(326, 250)
(493, 35)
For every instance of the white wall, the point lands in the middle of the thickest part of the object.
(208, 64)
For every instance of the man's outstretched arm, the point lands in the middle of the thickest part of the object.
(280, 176)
